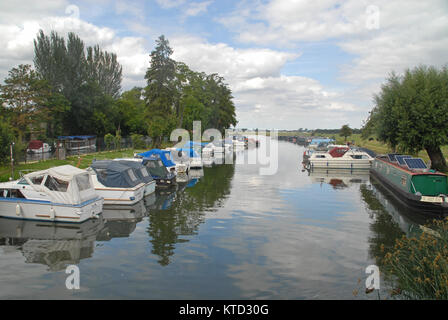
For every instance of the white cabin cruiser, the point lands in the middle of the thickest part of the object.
(341, 158)
(181, 159)
(37, 146)
(116, 183)
(63, 193)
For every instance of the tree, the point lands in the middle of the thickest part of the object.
(6, 138)
(411, 113)
(24, 94)
(89, 78)
(345, 131)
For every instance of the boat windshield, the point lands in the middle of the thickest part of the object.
(55, 184)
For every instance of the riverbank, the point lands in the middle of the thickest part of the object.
(374, 145)
(82, 161)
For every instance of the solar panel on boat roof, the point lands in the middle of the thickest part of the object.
(415, 163)
(400, 159)
(392, 156)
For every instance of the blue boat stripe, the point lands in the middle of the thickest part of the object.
(49, 202)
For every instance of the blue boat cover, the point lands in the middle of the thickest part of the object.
(162, 155)
(113, 174)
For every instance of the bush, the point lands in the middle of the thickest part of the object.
(418, 267)
(109, 140)
(138, 141)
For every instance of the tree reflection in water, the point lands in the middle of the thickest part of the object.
(390, 220)
(180, 212)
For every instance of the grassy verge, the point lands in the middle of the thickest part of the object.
(81, 161)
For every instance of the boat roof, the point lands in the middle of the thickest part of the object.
(113, 174)
(162, 155)
(385, 158)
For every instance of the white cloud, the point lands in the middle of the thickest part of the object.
(196, 8)
(263, 95)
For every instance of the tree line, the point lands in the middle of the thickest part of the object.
(75, 89)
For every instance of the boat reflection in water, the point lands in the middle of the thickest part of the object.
(121, 221)
(55, 245)
(177, 215)
(339, 178)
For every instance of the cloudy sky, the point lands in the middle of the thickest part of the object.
(290, 63)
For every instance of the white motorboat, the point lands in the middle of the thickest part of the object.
(116, 183)
(180, 158)
(63, 193)
(342, 158)
(36, 146)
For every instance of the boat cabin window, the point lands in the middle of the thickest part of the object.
(144, 172)
(83, 182)
(168, 156)
(55, 184)
(11, 193)
(358, 156)
(23, 181)
(320, 156)
(37, 180)
(151, 164)
(132, 175)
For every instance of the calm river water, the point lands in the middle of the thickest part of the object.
(228, 233)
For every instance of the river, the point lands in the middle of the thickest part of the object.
(227, 233)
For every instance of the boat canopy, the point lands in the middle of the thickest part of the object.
(156, 167)
(113, 174)
(142, 171)
(164, 155)
(64, 184)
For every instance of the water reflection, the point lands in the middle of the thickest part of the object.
(121, 221)
(339, 178)
(55, 245)
(180, 212)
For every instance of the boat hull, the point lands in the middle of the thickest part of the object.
(150, 187)
(19, 208)
(121, 196)
(340, 163)
(430, 209)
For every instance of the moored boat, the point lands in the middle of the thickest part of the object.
(37, 146)
(163, 177)
(412, 183)
(63, 193)
(116, 183)
(142, 172)
(341, 158)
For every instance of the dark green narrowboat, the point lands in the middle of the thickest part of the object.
(411, 183)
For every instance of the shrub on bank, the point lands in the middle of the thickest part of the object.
(418, 266)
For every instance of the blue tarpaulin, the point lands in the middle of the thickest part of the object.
(164, 155)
